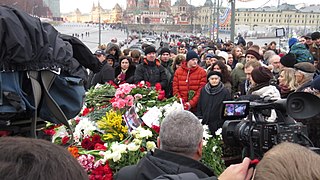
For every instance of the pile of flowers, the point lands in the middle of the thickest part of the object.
(125, 131)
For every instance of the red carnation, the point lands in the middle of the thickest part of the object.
(85, 111)
(49, 132)
(148, 84)
(101, 173)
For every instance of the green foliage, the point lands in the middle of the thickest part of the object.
(99, 96)
(212, 154)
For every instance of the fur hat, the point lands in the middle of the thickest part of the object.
(191, 54)
(165, 50)
(211, 73)
(261, 75)
(288, 60)
(315, 36)
(149, 49)
(254, 53)
(292, 41)
(305, 67)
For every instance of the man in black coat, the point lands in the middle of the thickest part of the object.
(151, 70)
(106, 73)
(180, 149)
(180, 143)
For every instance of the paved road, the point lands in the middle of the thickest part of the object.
(107, 34)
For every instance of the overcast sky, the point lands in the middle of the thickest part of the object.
(86, 5)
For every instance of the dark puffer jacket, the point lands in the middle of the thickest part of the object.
(163, 162)
(187, 79)
(152, 72)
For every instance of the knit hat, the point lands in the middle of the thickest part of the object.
(191, 54)
(149, 49)
(224, 55)
(209, 55)
(315, 36)
(211, 73)
(288, 60)
(254, 53)
(261, 75)
(165, 50)
(315, 84)
(305, 67)
(173, 50)
(292, 41)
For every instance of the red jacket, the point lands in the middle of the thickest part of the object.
(186, 79)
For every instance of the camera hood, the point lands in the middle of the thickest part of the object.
(303, 105)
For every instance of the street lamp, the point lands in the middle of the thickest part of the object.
(233, 19)
(99, 23)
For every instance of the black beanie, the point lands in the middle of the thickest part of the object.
(288, 60)
(191, 54)
(149, 49)
(165, 50)
(261, 75)
(254, 53)
(214, 73)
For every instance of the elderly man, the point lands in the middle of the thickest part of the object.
(304, 75)
(180, 149)
(274, 65)
(151, 70)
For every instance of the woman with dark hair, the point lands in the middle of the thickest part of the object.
(125, 71)
(219, 66)
(273, 47)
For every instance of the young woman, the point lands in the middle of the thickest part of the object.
(125, 71)
(287, 82)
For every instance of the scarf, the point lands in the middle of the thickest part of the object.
(213, 90)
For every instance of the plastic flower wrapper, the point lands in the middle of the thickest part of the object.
(168, 108)
(212, 150)
(152, 116)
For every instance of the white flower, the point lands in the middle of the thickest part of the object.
(116, 156)
(60, 132)
(137, 141)
(121, 148)
(214, 148)
(151, 145)
(204, 143)
(206, 132)
(141, 133)
(218, 132)
(84, 128)
(133, 147)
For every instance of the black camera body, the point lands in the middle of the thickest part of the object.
(246, 124)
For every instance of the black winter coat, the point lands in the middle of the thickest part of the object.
(152, 72)
(163, 162)
(105, 75)
(210, 106)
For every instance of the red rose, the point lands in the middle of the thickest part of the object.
(65, 139)
(100, 147)
(161, 95)
(96, 139)
(101, 173)
(158, 87)
(148, 84)
(142, 149)
(156, 128)
(140, 84)
(49, 132)
(85, 111)
(87, 144)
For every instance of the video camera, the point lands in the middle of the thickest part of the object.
(248, 123)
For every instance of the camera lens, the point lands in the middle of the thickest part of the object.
(297, 105)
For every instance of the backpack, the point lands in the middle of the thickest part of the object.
(41, 79)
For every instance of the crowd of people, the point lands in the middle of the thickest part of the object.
(203, 74)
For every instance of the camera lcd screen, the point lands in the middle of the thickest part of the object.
(235, 109)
